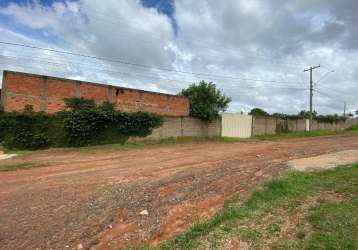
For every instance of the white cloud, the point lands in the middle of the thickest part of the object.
(269, 40)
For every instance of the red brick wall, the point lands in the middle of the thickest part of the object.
(96, 92)
(47, 93)
(23, 90)
(126, 100)
(57, 90)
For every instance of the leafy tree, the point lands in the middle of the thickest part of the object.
(206, 101)
(306, 114)
(258, 112)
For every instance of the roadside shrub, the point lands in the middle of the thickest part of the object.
(25, 130)
(82, 123)
(79, 103)
(353, 128)
(330, 118)
(305, 115)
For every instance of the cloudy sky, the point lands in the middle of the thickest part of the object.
(255, 51)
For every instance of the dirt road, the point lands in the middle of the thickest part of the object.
(107, 199)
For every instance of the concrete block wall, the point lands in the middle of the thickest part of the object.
(184, 126)
(328, 126)
(271, 123)
(214, 127)
(46, 94)
(301, 125)
(296, 125)
(259, 125)
(189, 126)
(267, 125)
(351, 122)
(292, 125)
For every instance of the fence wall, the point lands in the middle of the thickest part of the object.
(263, 125)
(190, 126)
(351, 122)
(45, 93)
(185, 126)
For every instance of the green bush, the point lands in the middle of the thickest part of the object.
(305, 115)
(84, 123)
(353, 128)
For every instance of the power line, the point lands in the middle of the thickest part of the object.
(338, 91)
(323, 76)
(323, 93)
(193, 78)
(142, 75)
(140, 65)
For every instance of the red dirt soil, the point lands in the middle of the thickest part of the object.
(93, 199)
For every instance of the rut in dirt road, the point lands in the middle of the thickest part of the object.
(94, 199)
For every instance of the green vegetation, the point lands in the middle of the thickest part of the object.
(301, 115)
(300, 232)
(353, 128)
(14, 167)
(157, 143)
(299, 134)
(191, 139)
(206, 101)
(273, 228)
(258, 112)
(84, 123)
(336, 225)
(177, 140)
(319, 118)
(326, 200)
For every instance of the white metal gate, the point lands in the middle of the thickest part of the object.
(236, 125)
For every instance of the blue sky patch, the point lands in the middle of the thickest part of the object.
(165, 7)
(43, 2)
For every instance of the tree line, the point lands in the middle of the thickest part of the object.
(207, 101)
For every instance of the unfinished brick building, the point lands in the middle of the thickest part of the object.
(46, 93)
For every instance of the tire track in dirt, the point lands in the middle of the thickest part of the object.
(95, 201)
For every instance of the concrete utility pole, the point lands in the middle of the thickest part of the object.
(311, 92)
(344, 109)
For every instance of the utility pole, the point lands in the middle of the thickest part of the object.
(311, 92)
(344, 109)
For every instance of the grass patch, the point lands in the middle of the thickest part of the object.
(300, 233)
(335, 225)
(14, 167)
(191, 139)
(158, 143)
(299, 134)
(273, 228)
(180, 140)
(252, 236)
(353, 128)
